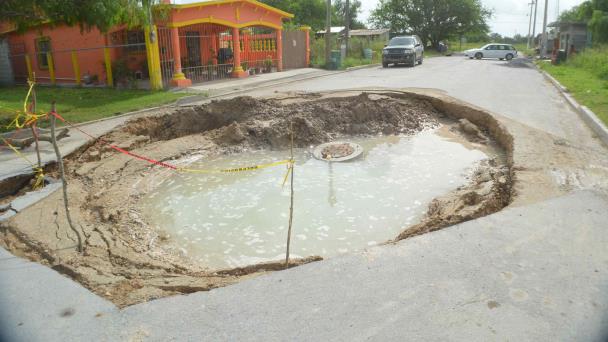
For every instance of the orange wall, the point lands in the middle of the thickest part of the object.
(65, 38)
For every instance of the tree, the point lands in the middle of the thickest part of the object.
(495, 37)
(432, 20)
(592, 12)
(306, 12)
(339, 14)
(88, 14)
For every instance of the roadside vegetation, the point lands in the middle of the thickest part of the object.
(586, 77)
(356, 52)
(82, 104)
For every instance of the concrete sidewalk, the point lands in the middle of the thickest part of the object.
(12, 165)
(251, 81)
(532, 273)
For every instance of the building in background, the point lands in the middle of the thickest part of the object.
(370, 34)
(198, 42)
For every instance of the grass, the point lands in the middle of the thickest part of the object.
(586, 77)
(82, 104)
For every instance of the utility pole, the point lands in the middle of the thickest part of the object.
(328, 34)
(347, 25)
(530, 24)
(543, 51)
(534, 24)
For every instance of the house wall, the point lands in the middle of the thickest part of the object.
(232, 14)
(63, 39)
(6, 70)
(573, 35)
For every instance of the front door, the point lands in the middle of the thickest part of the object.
(193, 46)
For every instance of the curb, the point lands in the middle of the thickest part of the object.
(554, 81)
(287, 80)
(139, 111)
(595, 123)
(187, 100)
(366, 66)
(586, 114)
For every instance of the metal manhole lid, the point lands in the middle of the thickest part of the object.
(337, 151)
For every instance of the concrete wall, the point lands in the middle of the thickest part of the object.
(6, 70)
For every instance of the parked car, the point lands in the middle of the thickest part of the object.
(404, 49)
(500, 51)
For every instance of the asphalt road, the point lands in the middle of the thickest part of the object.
(529, 273)
(514, 89)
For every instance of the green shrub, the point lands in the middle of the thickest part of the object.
(594, 60)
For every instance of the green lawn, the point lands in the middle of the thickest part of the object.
(82, 104)
(586, 86)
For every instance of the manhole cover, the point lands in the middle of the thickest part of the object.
(337, 151)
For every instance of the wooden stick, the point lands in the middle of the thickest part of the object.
(63, 181)
(291, 167)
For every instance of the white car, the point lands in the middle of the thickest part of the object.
(500, 51)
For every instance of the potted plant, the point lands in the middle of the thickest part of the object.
(268, 64)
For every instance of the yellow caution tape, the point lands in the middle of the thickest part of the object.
(27, 97)
(17, 151)
(28, 118)
(289, 171)
(238, 169)
(37, 170)
(39, 183)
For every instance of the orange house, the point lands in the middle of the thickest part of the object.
(197, 42)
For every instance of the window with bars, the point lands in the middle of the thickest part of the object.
(136, 41)
(43, 46)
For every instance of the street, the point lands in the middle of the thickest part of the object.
(514, 89)
(535, 271)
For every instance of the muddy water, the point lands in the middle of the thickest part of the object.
(229, 220)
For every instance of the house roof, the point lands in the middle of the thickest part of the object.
(566, 23)
(218, 2)
(367, 32)
(333, 29)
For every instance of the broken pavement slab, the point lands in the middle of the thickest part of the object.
(28, 199)
(530, 273)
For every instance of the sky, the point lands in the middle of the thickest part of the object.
(510, 16)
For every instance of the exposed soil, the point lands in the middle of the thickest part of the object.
(127, 262)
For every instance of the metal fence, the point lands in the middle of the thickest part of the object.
(207, 52)
(121, 65)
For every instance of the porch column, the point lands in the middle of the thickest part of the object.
(279, 49)
(306, 30)
(179, 79)
(238, 71)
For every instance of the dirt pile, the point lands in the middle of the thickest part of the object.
(128, 262)
(266, 123)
